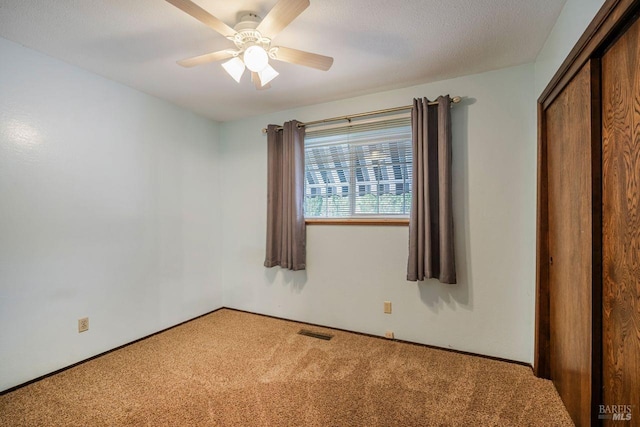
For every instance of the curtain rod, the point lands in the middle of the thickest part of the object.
(454, 100)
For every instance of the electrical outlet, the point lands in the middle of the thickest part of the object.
(388, 334)
(83, 324)
(387, 307)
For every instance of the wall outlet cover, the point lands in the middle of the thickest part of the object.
(83, 324)
(387, 307)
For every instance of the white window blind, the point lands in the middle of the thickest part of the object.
(360, 169)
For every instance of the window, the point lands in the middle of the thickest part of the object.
(361, 169)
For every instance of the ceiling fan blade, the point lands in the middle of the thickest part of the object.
(206, 58)
(255, 78)
(280, 16)
(203, 16)
(300, 57)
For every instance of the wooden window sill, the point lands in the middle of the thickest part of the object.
(357, 221)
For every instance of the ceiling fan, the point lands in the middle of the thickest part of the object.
(252, 38)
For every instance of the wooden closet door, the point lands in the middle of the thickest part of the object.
(621, 222)
(570, 124)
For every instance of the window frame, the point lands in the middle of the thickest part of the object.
(404, 221)
(362, 218)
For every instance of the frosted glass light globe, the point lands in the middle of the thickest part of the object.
(256, 58)
(235, 68)
(267, 75)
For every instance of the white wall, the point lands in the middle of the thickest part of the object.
(353, 269)
(108, 209)
(111, 207)
(576, 15)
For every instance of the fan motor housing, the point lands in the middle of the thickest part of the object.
(247, 35)
(249, 21)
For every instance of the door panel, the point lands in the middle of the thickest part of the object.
(621, 222)
(569, 156)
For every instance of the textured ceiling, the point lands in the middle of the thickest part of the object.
(377, 45)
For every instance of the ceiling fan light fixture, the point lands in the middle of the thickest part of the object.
(252, 37)
(268, 74)
(235, 68)
(256, 58)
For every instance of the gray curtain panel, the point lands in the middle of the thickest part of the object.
(431, 249)
(286, 232)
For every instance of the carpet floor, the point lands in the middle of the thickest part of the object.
(231, 368)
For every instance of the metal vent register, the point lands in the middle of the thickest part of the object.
(312, 334)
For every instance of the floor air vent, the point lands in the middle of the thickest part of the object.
(312, 334)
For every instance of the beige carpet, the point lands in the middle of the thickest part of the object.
(236, 369)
